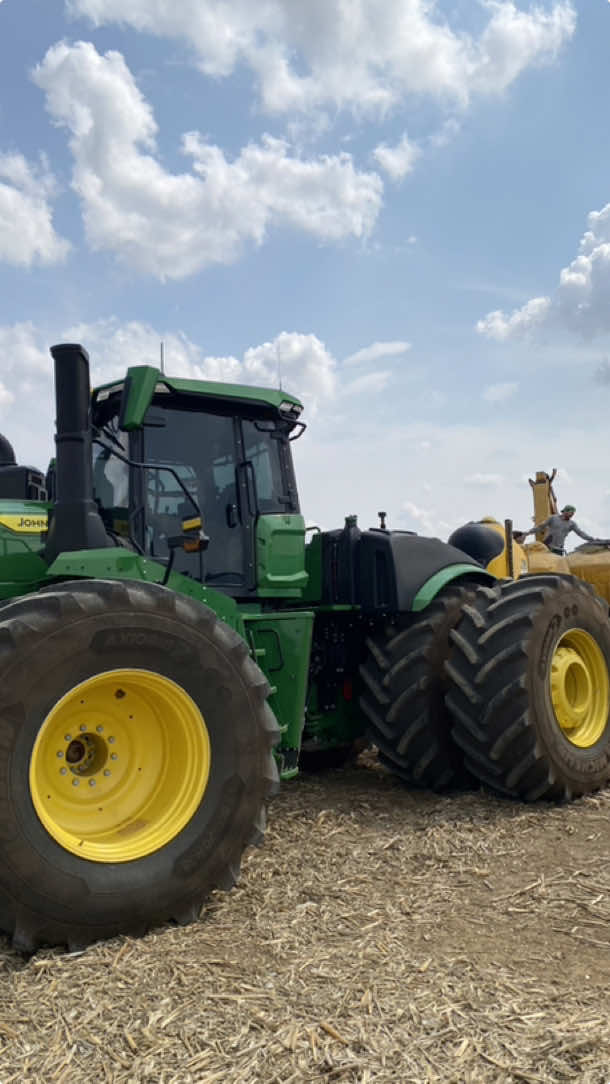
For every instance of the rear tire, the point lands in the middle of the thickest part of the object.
(404, 698)
(90, 668)
(530, 687)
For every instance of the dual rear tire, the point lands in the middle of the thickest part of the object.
(507, 686)
(404, 688)
(530, 689)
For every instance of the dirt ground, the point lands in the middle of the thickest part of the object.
(379, 935)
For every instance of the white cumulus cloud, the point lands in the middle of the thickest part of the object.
(365, 55)
(301, 362)
(514, 39)
(23, 350)
(114, 346)
(530, 317)
(305, 365)
(580, 301)
(172, 225)
(378, 350)
(26, 393)
(398, 160)
(27, 234)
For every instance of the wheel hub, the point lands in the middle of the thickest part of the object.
(572, 688)
(85, 755)
(580, 688)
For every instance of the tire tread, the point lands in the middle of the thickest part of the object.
(403, 699)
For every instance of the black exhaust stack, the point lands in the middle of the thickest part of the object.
(75, 523)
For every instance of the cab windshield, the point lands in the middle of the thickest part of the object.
(233, 469)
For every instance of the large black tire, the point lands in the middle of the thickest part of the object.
(52, 642)
(404, 695)
(522, 735)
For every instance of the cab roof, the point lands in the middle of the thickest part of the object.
(142, 382)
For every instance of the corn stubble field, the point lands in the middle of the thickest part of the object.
(378, 935)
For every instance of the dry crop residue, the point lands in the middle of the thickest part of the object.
(380, 935)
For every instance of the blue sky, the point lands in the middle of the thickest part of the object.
(406, 201)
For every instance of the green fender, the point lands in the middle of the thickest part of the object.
(431, 588)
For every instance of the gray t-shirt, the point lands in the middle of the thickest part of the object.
(558, 530)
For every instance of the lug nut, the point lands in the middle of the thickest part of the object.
(110, 741)
(83, 727)
(63, 771)
(67, 737)
(92, 782)
(114, 756)
(75, 782)
(100, 729)
(59, 753)
(106, 771)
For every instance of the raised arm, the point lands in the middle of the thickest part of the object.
(536, 527)
(587, 537)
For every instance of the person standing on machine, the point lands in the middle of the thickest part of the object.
(558, 527)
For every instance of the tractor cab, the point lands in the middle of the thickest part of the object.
(189, 451)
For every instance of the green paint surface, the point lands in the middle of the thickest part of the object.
(281, 646)
(280, 556)
(116, 563)
(431, 587)
(143, 381)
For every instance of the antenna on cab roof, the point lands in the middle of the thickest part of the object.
(279, 363)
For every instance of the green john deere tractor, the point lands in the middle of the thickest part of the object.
(170, 645)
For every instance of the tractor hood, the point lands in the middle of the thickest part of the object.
(385, 571)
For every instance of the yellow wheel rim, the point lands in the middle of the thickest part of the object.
(120, 765)
(580, 688)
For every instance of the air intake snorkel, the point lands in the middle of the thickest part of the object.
(75, 522)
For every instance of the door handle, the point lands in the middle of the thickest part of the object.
(232, 515)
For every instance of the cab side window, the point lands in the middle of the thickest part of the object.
(111, 489)
(262, 450)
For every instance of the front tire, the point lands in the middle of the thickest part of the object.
(136, 758)
(530, 687)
